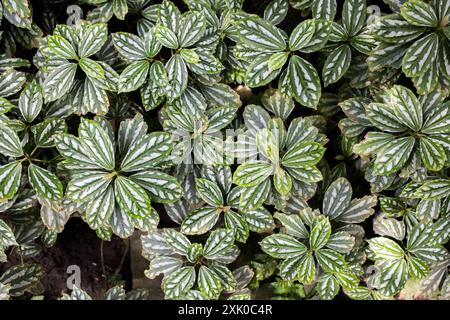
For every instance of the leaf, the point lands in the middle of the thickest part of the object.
(417, 268)
(177, 75)
(9, 143)
(17, 13)
(337, 198)
(394, 156)
(320, 234)
(93, 38)
(293, 224)
(303, 154)
(434, 189)
(385, 249)
(306, 269)
(209, 192)
(304, 81)
(160, 186)
(133, 76)
(6, 235)
(354, 16)
(282, 246)
(336, 65)
(419, 13)
(421, 55)
(342, 242)
(61, 47)
(166, 37)
(11, 81)
(87, 185)
(129, 46)
(252, 173)
(178, 283)
(177, 241)
(330, 260)
(208, 283)
(302, 34)
(253, 197)
(200, 221)
(192, 28)
(30, 101)
(21, 277)
(147, 152)
(132, 198)
(97, 143)
(218, 241)
(92, 68)
(432, 154)
(260, 72)
(261, 35)
(383, 117)
(259, 220)
(276, 11)
(45, 132)
(59, 81)
(394, 274)
(327, 287)
(99, 210)
(407, 107)
(238, 225)
(45, 183)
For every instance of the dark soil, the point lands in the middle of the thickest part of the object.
(79, 245)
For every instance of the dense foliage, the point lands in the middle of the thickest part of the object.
(286, 149)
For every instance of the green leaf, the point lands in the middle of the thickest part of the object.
(432, 154)
(434, 189)
(330, 260)
(385, 249)
(354, 16)
(327, 287)
(45, 183)
(147, 152)
(303, 154)
(238, 225)
(336, 65)
(342, 242)
(177, 241)
(129, 46)
(302, 34)
(419, 13)
(6, 235)
(421, 55)
(133, 76)
(93, 38)
(359, 210)
(30, 101)
(218, 242)
(45, 132)
(337, 198)
(320, 234)
(260, 72)
(87, 185)
(177, 75)
(253, 197)
(324, 9)
(200, 221)
(252, 173)
(178, 283)
(92, 68)
(383, 117)
(61, 47)
(407, 107)
(261, 35)
(11, 81)
(166, 37)
(9, 143)
(306, 268)
(100, 209)
(192, 28)
(132, 198)
(394, 156)
(417, 268)
(97, 143)
(21, 278)
(282, 181)
(304, 82)
(208, 283)
(293, 224)
(276, 11)
(161, 187)
(209, 192)
(259, 220)
(59, 81)
(282, 246)
(393, 276)
(17, 13)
